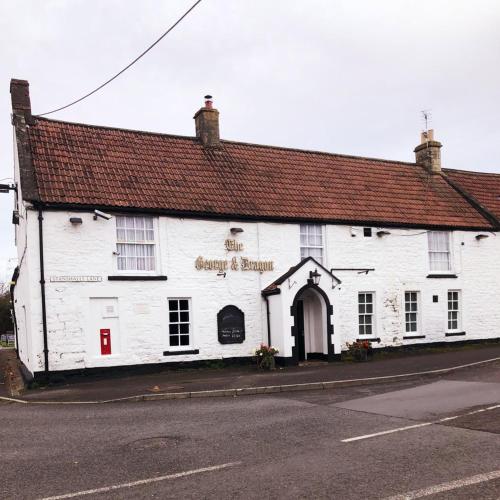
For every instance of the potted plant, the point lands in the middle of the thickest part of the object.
(264, 356)
(360, 350)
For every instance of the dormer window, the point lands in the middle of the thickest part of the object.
(439, 251)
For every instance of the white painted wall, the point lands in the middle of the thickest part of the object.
(400, 261)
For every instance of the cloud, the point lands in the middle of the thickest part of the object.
(341, 76)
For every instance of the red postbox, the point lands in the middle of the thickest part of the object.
(105, 341)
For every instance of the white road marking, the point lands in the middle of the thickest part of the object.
(452, 485)
(390, 431)
(143, 481)
(423, 424)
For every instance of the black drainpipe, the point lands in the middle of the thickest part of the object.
(268, 321)
(42, 288)
(13, 307)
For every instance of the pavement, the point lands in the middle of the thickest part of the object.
(436, 439)
(11, 380)
(244, 380)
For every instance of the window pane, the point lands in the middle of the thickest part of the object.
(179, 327)
(311, 241)
(365, 313)
(130, 233)
(439, 250)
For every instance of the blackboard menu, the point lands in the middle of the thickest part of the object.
(231, 325)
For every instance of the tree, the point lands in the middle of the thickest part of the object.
(5, 317)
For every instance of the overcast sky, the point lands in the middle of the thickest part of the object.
(341, 76)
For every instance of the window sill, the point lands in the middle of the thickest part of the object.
(454, 334)
(136, 277)
(442, 275)
(411, 337)
(370, 339)
(180, 353)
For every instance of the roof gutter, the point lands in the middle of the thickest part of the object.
(77, 207)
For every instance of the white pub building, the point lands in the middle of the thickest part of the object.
(142, 248)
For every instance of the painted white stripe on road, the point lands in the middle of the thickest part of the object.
(452, 485)
(423, 424)
(143, 481)
(382, 433)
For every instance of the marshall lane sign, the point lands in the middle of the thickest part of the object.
(231, 325)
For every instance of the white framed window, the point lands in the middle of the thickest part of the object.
(439, 251)
(412, 312)
(311, 242)
(135, 236)
(179, 322)
(366, 312)
(454, 310)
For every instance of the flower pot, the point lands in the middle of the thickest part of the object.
(361, 354)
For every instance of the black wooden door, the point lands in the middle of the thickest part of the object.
(301, 345)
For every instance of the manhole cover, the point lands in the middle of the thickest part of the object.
(154, 443)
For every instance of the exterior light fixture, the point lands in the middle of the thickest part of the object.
(480, 237)
(15, 217)
(5, 188)
(236, 230)
(382, 233)
(314, 276)
(76, 220)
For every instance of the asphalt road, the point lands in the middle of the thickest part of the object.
(294, 445)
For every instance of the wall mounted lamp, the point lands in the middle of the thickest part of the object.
(481, 236)
(5, 188)
(236, 230)
(382, 233)
(76, 220)
(314, 276)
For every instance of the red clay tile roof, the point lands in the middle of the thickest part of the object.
(103, 167)
(484, 187)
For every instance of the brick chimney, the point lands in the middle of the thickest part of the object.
(428, 152)
(20, 98)
(207, 124)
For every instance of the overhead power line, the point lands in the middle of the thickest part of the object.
(126, 67)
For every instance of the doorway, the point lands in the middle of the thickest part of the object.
(312, 325)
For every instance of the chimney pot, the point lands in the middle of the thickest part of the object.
(207, 124)
(428, 152)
